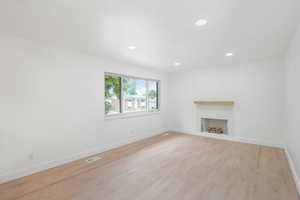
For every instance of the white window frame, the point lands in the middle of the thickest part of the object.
(134, 113)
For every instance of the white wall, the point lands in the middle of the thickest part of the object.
(257, 89)
(293, 100)
(52, 106)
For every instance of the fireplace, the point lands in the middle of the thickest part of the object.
(214, 126)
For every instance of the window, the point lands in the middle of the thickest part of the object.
(153, 95)
(125, 94)
(134, 95)
(112, 94)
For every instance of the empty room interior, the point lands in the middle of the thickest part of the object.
(149, 100)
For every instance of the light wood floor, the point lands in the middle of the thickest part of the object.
(173, 167)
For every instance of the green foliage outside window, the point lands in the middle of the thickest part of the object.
(112, 93)
(152, 94)
(129, 86)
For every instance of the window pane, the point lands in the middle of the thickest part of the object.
(152, 95)
(112, 94)
(134, 93)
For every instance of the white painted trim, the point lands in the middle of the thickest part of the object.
(131, 115)
(232, 138)
(18, 173)
(293, 169)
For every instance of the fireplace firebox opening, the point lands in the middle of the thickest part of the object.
(216, 126)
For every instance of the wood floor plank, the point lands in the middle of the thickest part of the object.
(173, 167)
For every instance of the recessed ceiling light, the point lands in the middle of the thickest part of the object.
(132, 47)
(176, 63)
(228, 54)
(201, 22)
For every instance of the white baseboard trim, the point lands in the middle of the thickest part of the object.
(293, 169)
(232, 138)
(15, 174)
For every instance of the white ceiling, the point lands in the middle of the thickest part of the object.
(162, 30)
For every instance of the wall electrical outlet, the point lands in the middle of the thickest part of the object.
(31, 156)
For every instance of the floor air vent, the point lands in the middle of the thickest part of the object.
(93, 159)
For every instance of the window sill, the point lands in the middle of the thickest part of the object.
(130, 115)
